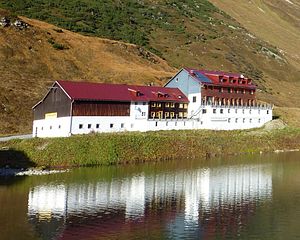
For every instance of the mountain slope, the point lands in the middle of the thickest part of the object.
(30, 63)
(191, 33)
(276, 21)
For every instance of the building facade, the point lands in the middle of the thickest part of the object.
(79, 108)
(192, 99)
(221, 101)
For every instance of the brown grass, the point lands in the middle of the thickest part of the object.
(29, 64)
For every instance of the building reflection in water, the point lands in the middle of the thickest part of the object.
(199, 198)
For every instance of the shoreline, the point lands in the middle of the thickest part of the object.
(130, 148)
(37, 171)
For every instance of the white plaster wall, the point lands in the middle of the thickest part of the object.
(119, 124)
(194, 107)
(139, 110)
(56, 127)
(232, 118)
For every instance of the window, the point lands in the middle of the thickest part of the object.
(243, 120)
(89, 125)
(135, 103)
(172, 105)
(166, 123)
(42, 128)
(221, 90)
(181, 105)
(111, 125)
(185, 105)
(80, 126)
(250, 111)
(251, 92)
(144, 103)
(228, 110)
(204, 111)
(236, 110)
(258, 111)
(181, 114)
(97, 125)
(143, 114)
(221, 111)
(50, 127)
(236, 120)
(243, 111)
(59, 126)
(267, 111)
(167, 105)
(172, 114)
(194, 99)
(131, 125)
(229, 120)
(156, 124)
(229, 90)
(158, 105)
(153, 114)
(250, 120)
(259, 120)
(153, 104)
(175, 123)
(167, 114)
(122, 125)
(214, 110)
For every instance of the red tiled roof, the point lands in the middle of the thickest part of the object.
(120, 92)
(213, 77)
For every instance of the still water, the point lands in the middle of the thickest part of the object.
(246, 197)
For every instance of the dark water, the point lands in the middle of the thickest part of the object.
(249, 197)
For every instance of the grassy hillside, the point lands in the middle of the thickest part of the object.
(31, 61)
(184, 33)
(277, 22)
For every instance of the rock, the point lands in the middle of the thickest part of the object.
(4, 22)
(20, 24)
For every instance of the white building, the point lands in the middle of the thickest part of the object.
(192, 99)
(221, 101)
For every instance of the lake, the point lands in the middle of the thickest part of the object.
(241, 197)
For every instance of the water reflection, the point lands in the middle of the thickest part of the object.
(186, 202)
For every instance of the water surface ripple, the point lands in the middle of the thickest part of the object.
(246, 197)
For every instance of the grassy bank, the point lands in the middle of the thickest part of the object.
(108, 149)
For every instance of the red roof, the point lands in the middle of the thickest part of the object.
(120, 92)
(222, 78)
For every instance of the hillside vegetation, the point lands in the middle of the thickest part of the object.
(191, 33)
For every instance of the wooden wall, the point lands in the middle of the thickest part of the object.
(95, 108)
(56, 101)
(218, 95)
(167, 110)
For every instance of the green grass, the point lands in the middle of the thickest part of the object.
(124, 148)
